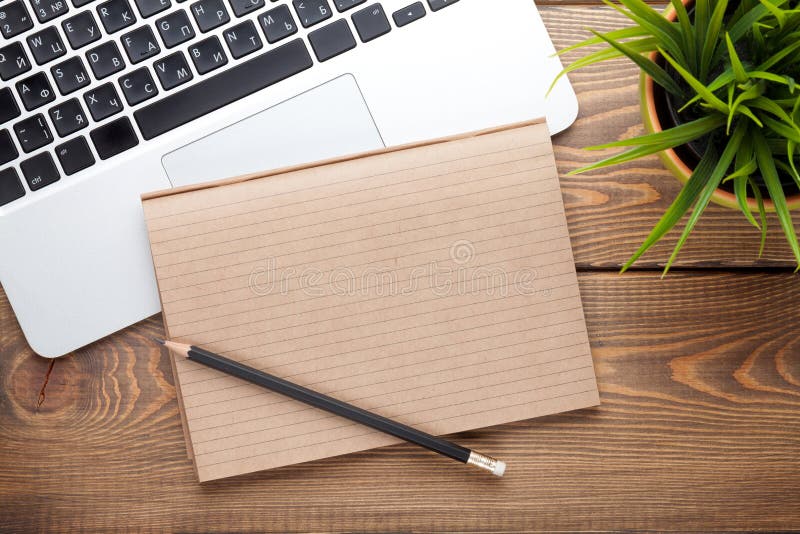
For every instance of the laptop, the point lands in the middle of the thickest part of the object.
(101, 101)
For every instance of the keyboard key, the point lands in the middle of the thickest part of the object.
(79, 3)
(228, 86)
(8, 151)
(371, 22)
(70, 75)
(33, 133)
(242, 39)
(102, 101)
(207, 55)
(408, 14)
(138, 86)
(436, 5)
(13, 61)
(312, 11)
(75, 155)
(81, 29)
(8, 105)
(344, 5)
(10, 186)
(49, 9)
(175, 28)
(105, 60)
(46, 45)
(332, 40)
(40, 171)
(113, 138)
(148, 8)
(209, 14)
(172, 70)
(68, 117)
(140, 44)
(35, 91)
(115, 15)
(243, 7)
(14, 19)
(277, 24)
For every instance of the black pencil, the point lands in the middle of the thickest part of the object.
(324, 402)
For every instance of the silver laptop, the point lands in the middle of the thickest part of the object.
(101, 101)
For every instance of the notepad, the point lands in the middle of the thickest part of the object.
(432, 283)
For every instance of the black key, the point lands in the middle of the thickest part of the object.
(39, 171)
(113, 138)
(8, 105)
(10, 186)
(138, 86)
(209, 14)
(175, 28)
(81, 29)
(242, 39)
(105, 60)
(148, 8)
(408, 14)
(79, 3)
(103, 101)
(46, 45)
(207, 55)
(7, 149)
(140, 44)
(243, 7)
(74, 155)
(228, 86)
(436, 5)
(332, 40)
(13, 61)
(68, 117)
(49, 9)
(172, 70)
(115, 15)
(70, 75)
(35, 91)
(14, 19)
(312, 11)
(277, 23)
(33, 133)
(344, 5)
(371, 22)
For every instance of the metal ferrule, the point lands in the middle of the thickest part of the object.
(483, 462)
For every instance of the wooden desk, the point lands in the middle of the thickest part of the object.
(699, 377)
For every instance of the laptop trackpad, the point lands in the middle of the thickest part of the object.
(327, 121)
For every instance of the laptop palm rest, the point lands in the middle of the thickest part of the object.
(327, 121)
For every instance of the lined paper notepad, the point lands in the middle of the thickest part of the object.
(433, 284)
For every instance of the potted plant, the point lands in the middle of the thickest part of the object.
(720, 103)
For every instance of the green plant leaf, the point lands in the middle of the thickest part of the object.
(740, 190)
(778, 127)
(666, 38)
(762, 214)
(675, 136)
(622, 33)
(779, 56)
(710, 186)
(629, 155)
(658, 74)
(712, 38)
(687, 196)
(770, 175)
(688, 33)
(695, 84)
(736, 63)
(776, 12)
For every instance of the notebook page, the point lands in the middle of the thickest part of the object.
(433, 285)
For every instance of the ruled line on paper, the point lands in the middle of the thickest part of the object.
(294, 191)
(184, 237)
(450, 354)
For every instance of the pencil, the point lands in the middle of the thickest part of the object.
(341, 408)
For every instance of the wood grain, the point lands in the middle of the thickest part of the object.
(611, 211)
(699, 429)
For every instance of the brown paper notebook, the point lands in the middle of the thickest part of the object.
(433, 284)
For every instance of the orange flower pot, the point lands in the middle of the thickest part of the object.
(671, 159)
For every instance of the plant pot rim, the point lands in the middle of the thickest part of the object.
(671, 159)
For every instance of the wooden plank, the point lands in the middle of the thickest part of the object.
(699, 429)
(611, 212)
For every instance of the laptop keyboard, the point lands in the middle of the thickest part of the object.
(93, 59)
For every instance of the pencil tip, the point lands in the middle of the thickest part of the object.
(159, 341)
